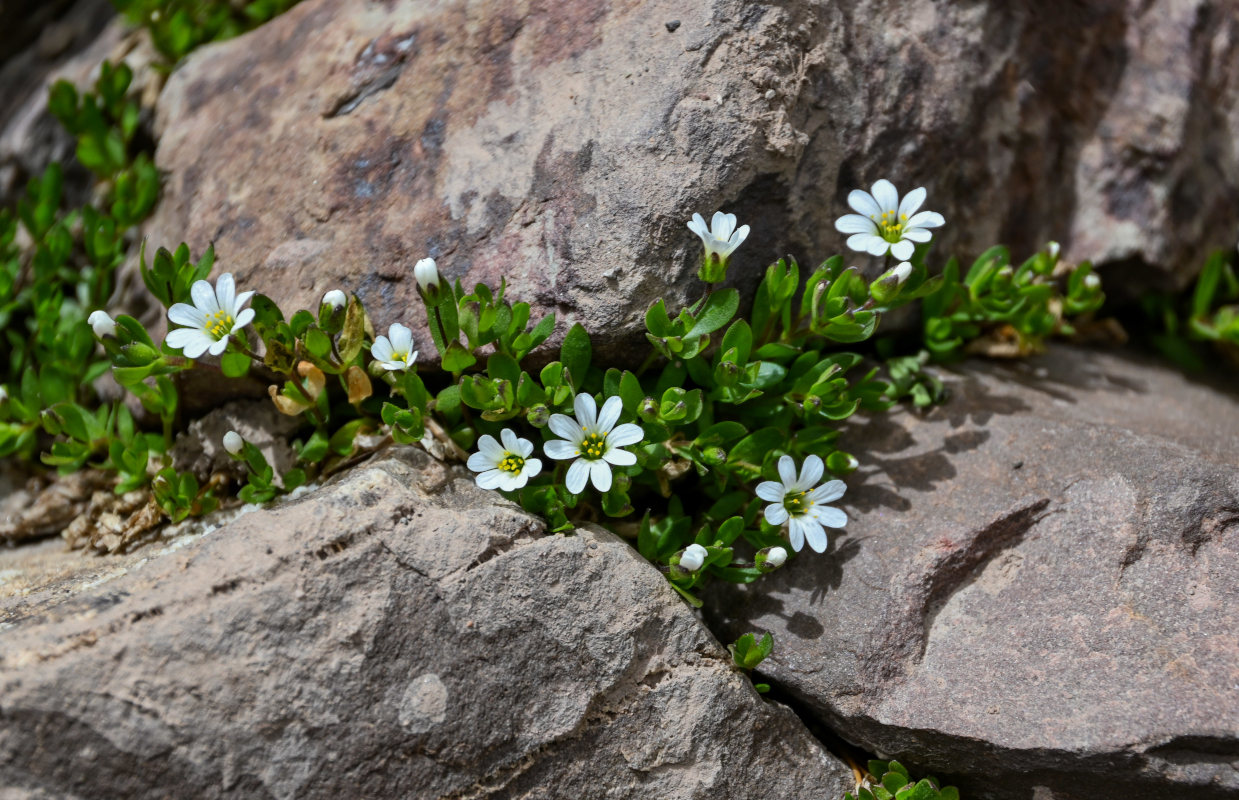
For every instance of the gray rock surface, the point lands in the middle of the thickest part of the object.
(1037, 585)
(564, 145)
(399, 633)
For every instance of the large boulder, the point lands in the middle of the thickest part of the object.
(1036, 589)
(400, 633)
(564, 145)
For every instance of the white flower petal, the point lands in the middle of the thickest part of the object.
(795, 535)
(512, 481)
(739, 236)
(771, 491)
(620, 458)
(510, 442)
(531, 469)
(828, 492)
(860, 241)
(245, 317)
(855, 223)
(493, 450)
(816, 535)
(722, 225)
(610, 414)
(831, 516)
(863, 203)
(382, 350)
(192, 341)
(578, 474)
(698, 226)
(810, 473)
(624, 435)
(241, 300)
(559, 450)
(226, 293)
(203, 295)
(600, 475)
(185, 314)
(524, 447)
(903, 250)
(912, 201)
(917, 235)
(565, 427)
(926, 219)
(490, 479)
(787, 471)
(218, 346)
(886, 195)
(401, 337)
(877, 246)
(776, 514)
(586, 410)
(480, 462)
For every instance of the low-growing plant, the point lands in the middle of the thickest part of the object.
(1191, 329)
(179, 26)
(889, 780)
(748, 652)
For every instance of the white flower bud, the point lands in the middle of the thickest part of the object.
(336, 299)
(693, 557)
(1092, 281)
(102, 324)
(233, 442)
(1052, 248)
(901, 272)
(426, 273)
(776, 557)
(4, 393)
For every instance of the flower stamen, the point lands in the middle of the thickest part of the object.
(593, 446)
(511, 463)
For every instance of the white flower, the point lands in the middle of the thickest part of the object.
(507, 466)
(335, 298)
(693, 557)
(102, 324)
(233, 442)
(426, 273)
(1092, 281)
(776, 557)
(795, 499)
(215, 315)
(901, 272)
(721, 238)
(883, 223)
(594, 440)
(396, 352)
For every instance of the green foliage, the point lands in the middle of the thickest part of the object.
(889, 780)
(1006, 310)
(179, 26)
(1207, 317)
(748, 652)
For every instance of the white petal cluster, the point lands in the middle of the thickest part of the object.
(426, 273)
(335, 298)
(693, 557)
(794, 500)
(233, 442)
(394, 352)
(216, 314)
(102, 324)
(504, 466)
(884, 223)
(722, 237)
(594, 441)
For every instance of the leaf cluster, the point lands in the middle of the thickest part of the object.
(178, 26)
(1207, 315)
(889, 780)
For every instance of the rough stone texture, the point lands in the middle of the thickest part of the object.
(563, 145)
(398, 634)
(1038, 584)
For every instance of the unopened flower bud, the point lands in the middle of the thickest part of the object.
(233, 442)
(713, 456)
(648, 410)
(886, 287)
(426, 274)
(4, 393)
(539, 416)
(693, 557)
(102, 324)
(1052, 248)
(1091, 281)
(771, 558)
(336, 299)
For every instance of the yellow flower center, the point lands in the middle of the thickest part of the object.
(891, 225)
(512, 463)
(219, 324)
(593, 446)
(402, 357)
(797, 503)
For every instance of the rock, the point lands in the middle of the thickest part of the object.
(44, 504)
(200, 449)
(399, 633)
(564, 147)
(1036, 586)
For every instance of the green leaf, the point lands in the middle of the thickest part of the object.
(720, 307)
(457, 358)
(234, 365)
(575, 354)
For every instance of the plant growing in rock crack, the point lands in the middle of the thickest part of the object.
(178, 26)
(1192, 329)
(889, 780)
(748, 651)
